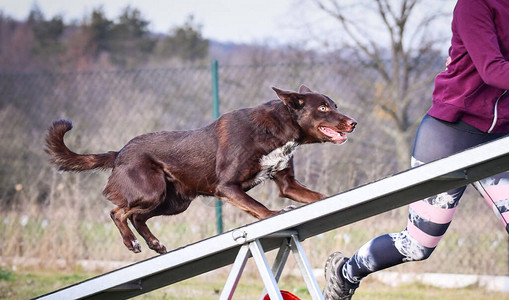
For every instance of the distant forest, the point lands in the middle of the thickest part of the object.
(48, 44)
(40, 43)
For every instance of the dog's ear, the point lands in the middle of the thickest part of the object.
(304, 89)
(291, 99)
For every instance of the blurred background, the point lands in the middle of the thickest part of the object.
(115, 76)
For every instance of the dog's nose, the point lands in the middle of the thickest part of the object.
(352, 123)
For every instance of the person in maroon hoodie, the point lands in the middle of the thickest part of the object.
(470, 107)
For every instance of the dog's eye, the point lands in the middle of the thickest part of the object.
(322, 108)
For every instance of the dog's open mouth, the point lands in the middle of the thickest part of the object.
(333, 135)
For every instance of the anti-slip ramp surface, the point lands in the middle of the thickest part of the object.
(309, 220)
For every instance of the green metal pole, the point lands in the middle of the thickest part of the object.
(215, 115)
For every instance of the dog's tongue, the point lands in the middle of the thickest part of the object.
(334, 135)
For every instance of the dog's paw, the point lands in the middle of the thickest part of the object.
(289, 207)
(135, 246)
(286, 209)
(157, 247)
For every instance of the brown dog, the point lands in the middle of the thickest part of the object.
(160, 173)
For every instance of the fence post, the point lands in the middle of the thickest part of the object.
(215, 115)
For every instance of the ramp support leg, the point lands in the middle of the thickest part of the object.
(255, 249)
(263, 267)
(305, 269)
(235, 273)
(270, 277)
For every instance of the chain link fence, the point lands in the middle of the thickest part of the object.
(52, 216)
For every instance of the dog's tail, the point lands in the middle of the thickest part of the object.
(65, 159)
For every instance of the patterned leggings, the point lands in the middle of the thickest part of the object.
(429, 218)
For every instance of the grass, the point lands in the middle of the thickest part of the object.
(30, 284)
(26, 285)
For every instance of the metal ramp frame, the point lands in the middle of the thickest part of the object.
(290, 243)
(292, 227)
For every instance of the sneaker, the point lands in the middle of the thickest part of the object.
(336, 287)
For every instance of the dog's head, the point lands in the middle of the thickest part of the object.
(317, 115)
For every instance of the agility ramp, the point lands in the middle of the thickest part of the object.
(287, 230)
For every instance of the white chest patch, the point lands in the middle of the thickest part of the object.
(275, 161)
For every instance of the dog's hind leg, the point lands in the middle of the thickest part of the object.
(173, 204)
(119, 217)
(135, 189)
(139, 222)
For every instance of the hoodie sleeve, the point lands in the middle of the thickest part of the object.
(477, 27)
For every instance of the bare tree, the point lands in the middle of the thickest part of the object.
(398, 40)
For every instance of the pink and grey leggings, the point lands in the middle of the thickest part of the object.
(429, 218)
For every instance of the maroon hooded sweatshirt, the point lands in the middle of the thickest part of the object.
(474, 87)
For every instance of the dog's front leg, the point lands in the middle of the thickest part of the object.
(290, 188)
(234, 195)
